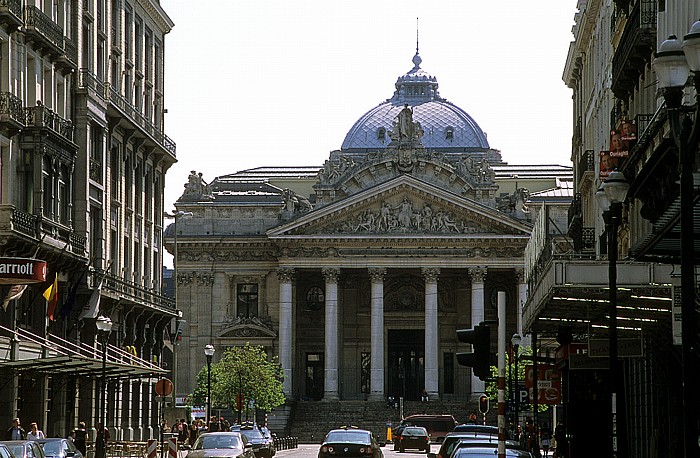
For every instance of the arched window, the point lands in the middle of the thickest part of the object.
(449, 133)
(381, 134)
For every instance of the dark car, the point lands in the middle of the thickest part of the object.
(453, 440)
(221, 445)
(395, 433)
(472, 428)
(487, 450)
(24, 449)
(350, 442)
(59, 448)
(262, 446)
(413, 437)
(5, 451)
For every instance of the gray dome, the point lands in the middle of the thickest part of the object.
(445, 125)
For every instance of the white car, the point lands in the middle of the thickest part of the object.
(222, 445)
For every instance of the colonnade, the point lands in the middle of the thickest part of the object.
(377, 275)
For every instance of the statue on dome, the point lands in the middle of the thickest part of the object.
(403, 127)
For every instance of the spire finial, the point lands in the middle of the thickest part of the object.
(416, 59)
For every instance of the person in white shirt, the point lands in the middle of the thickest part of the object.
(35, 433)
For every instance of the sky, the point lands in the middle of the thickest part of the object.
(252, 83)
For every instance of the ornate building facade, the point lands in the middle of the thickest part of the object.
(357, 273)
(84, 158)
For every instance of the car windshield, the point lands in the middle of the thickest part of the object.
(218, 441)
(53, 447)
(16, 449)
(357, 437)
(252, 433)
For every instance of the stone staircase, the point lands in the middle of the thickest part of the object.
(311, 420)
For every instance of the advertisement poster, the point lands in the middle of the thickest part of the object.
(621, 140)
(548, 383)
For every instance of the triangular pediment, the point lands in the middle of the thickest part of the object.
(400, 207)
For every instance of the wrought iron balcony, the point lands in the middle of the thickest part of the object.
(585, 163)
(11, 113)
(131, 291)
(40, 29)
(636, 47)
(129, 110)
(69, 59)
(44, 117)
(11, 13)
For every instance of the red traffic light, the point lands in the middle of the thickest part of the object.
(483, 404)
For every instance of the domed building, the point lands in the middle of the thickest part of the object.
(358, 272)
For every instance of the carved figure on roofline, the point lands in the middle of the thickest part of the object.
(295, 203)
(196, 187)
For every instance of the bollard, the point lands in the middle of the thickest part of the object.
(152, 448)
(172, 447)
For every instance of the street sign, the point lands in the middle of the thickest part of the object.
(626, 347)
(164, 387)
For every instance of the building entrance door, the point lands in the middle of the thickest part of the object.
(314, 376)
(405, 361)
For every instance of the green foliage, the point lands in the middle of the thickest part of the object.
(245, 370)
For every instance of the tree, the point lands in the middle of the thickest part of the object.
(245, 371)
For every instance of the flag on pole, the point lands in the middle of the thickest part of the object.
(91, 309)
(51, 295)
(15, 292)
(69, 303)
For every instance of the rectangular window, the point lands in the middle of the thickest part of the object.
(247, 300)
(128, 39)
(47, 174)
(96, 234)
(448, 364)
(138, 41)
(63, 195)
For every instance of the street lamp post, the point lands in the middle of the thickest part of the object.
(209, 352)
(515, 341)
(610, 198)
(673, 64)
(175, 216)
(104, 327)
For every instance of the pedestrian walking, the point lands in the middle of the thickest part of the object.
(193, 433)
(16, 432)
(183, 431)
(80, 438)
(562, 445)
(213, 425)
(101, 441)
(35, 433)
(545, 438)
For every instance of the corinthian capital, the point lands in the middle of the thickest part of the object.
(430, 274)
(285, 274)
(478, 274)
(331, 274)
(377, 274)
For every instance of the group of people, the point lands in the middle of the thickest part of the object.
(79, 436)
(541, 442)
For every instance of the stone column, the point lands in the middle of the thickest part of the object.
(522, 298)
(330, 391)
(286, 276)
(431, 331)
(477, 275)
(376, 276)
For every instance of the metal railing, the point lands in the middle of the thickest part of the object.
(13, 6)
(12, 107)
(36, 19)
(41, 116)
(134, 291)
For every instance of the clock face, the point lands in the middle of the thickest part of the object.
(315, 297)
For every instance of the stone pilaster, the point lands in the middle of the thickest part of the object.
(376, 276)
(286, 277)
(331, 276)
(431, 331)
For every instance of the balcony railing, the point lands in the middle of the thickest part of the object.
(41, 116)
(637, 44)
(88, 80)
(35, 19)
(135, 292)
(130, 110)
(11, 108)
(13, 9)
(586, 163)
(15, 220)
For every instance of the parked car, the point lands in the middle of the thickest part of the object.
(395, 433)
(350, 442)
(221, 445)
(413, 437)
(24, 449)
(56, 447)
(5, 451)
(437, 425)
(453, 440)
(473, 428)
(262, 446)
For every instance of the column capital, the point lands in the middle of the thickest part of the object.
(377, 274)
(285, 274)
(478, 274)
(520, 274)
(430, 274)
(331, 274)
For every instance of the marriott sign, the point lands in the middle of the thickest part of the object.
(22, 271)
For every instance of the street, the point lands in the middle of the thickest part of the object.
(311, 450)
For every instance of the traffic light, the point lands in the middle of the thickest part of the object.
(483, 404)
(480, 359)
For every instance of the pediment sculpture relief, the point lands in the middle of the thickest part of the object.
(408, 216)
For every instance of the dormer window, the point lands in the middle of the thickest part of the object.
(449, 134)
(381, 134)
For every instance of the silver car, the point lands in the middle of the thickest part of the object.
(25, 449)
(222, 445)
(56, 447)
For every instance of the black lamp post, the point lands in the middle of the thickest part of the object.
(673, 64)
(104, 327)
(610, 198)
(515, 341)
(209, 352)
